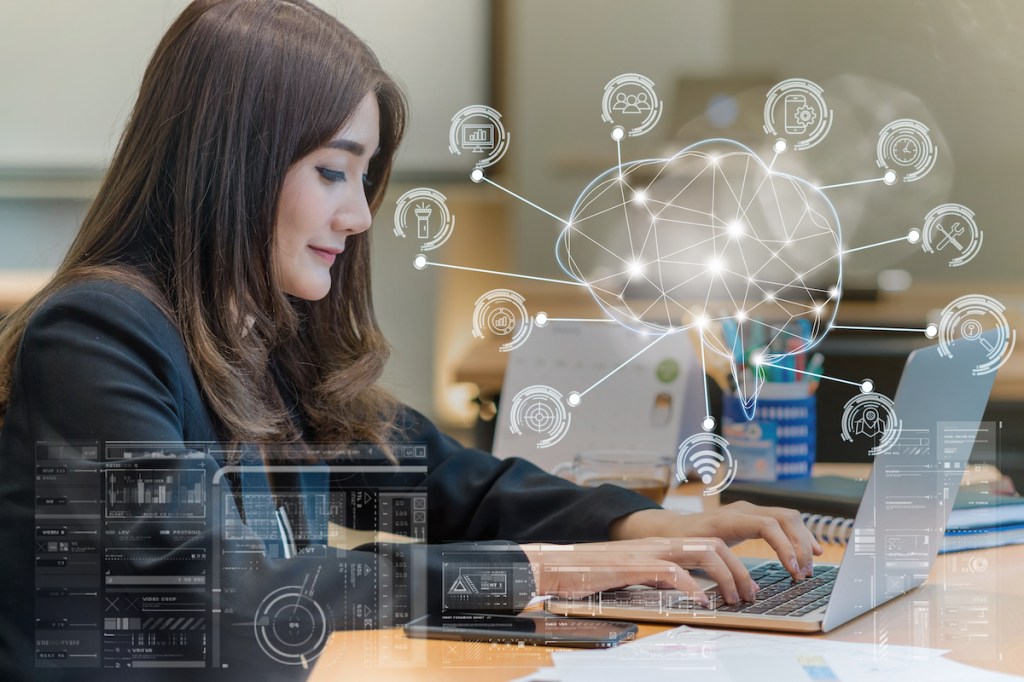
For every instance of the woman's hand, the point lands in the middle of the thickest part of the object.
(781, 528)
(583, 569)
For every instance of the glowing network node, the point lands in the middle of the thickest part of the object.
(541, 319)
(931, 330)
(889, 177)
(867, 386)
(574, 399)
(618, 132)
(419, 262)
(639, 197)
(708, 424)
(780, 146)
(476, 175)
(914, 236)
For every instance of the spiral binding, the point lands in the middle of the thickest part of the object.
(835, 530)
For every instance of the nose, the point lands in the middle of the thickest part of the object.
(353, 216)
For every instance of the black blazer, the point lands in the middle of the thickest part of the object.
(99, 363)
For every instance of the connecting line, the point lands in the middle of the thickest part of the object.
(618, 151)
(635, 356)
(855, 182)
(524, 200)
(704, 368)
(881, 329)
(504, 274)
(578, 319)
(812, 374)
(871, 246)
(770, 165)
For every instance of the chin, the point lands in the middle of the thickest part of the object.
(310, 291)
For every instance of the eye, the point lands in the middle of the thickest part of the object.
(331, 175)
(367, 182)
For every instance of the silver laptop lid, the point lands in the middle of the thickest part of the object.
(913, 483)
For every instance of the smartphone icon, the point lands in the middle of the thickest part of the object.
(792, 104)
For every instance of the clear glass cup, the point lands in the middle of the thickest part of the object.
(647, 473)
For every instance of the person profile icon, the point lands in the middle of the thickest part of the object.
(870, 423)
(643, 102)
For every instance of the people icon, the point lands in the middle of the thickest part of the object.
(626, 103)
(870, 424)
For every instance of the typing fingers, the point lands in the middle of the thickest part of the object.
(715, 558)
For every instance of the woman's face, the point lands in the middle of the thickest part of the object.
(323, 201)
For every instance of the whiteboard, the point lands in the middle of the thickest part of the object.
(70, 72)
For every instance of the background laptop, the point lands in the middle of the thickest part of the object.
(899, 526)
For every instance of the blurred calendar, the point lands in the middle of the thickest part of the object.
(648, 405)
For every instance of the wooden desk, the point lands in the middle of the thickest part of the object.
(953, 600)
(972, 602)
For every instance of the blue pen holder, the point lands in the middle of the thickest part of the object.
(780, 441)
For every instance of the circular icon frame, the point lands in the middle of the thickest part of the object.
(805, 118)
(509, 318)
(540, 409)
(960, 321)
(708, 453)
(856, 411)
(965, 228)
(422, 211)
(476, 129)
(612, 103)
(905, 144)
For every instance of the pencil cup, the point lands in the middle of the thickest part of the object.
(779, 442)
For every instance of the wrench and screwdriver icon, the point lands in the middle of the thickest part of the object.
(950, 237)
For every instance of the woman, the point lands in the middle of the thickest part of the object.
(218, 294)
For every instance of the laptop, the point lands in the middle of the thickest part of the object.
(897, 532)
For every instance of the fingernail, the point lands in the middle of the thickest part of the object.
(757, 588)
(794, 564)
(702, 599)
(734, 598)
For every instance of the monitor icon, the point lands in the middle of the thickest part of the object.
(477, 137)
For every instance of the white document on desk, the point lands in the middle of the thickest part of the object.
(635, 399)
(714, 655)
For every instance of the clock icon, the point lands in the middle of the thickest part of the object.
(905, 150)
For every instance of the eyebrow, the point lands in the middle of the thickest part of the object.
(347, 145)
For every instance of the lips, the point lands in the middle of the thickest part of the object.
(327, 254)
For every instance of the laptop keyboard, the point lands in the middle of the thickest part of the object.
(780, 595)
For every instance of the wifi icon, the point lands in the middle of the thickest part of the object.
(707, 454)
(706, 464)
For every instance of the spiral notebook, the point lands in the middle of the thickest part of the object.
(979, 518)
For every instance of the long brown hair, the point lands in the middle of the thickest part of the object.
(236, 92)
